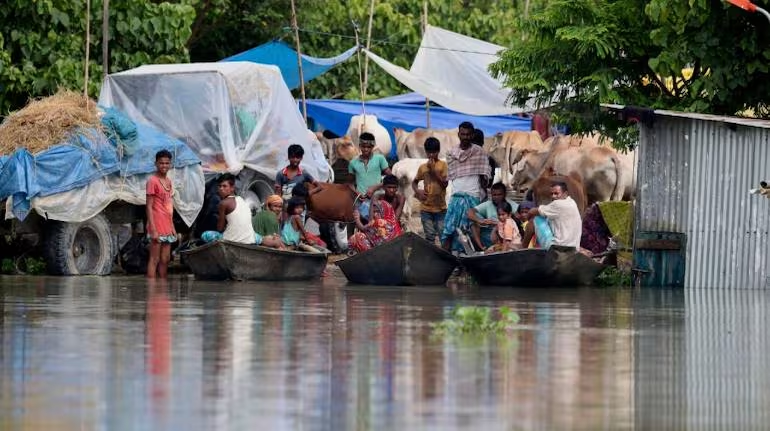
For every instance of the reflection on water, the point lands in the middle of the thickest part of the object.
(119, 353)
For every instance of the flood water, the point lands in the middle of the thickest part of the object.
(115, 353)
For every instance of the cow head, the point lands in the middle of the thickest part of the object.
(344, 148)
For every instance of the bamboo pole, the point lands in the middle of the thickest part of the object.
(88, 47)
(424, 29)
(299, 60)
(105, 37)
(366, 58)
(360, 70)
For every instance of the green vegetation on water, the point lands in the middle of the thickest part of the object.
(613, 277)
(472, 320)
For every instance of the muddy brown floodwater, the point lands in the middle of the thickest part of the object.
(115, 353)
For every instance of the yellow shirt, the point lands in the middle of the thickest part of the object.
(435, 193)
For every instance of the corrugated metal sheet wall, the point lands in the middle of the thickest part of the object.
(694, 176)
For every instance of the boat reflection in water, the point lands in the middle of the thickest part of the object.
(112, 353)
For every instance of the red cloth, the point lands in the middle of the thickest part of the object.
(379, 230)
(162, 205)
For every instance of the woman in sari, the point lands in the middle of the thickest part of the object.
(382, 227)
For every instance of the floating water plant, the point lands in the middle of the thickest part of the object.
(476, 320)
(612, 277)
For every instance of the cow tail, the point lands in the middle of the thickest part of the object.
(618, 180)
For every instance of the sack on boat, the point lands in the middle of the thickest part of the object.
(331, 202)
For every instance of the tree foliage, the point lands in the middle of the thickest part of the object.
(42, 43)
(700, 56)
(396, 33)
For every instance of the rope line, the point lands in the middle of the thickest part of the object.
(388, 42)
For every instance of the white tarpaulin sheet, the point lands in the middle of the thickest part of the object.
(451, 70)
(231, 114)
(82, 203)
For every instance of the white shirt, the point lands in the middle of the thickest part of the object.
(564, 219)
(239, 227)
(468, 184)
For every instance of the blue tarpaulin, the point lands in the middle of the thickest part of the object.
(282, 55)
(335, 115)
(81, 160)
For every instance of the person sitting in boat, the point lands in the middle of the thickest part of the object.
(381, 228)
(367, 170)
(392, 196)
(293, 233)
(268, 221)
(468, 170)
(292, 175)
(563, 219)
(234, 219)
(483, 217)
(508, 237)
(525, 225)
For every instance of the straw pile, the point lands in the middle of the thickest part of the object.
(48, 121)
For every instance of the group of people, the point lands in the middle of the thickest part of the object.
(493, 224)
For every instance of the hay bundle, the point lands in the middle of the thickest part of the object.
(48, 121)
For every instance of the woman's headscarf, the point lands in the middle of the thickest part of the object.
(274, 199)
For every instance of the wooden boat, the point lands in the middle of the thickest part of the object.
(408, 260)
(222, 260)
(532, 267)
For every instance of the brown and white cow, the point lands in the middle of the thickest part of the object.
(600, 168)
(337, 148)
(506, 148)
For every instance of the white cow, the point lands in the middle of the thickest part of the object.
(357, 126)
(411, 144)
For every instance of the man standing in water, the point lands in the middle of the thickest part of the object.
(468, 167)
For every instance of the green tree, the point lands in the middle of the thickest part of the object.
(42, 43)
(226, 27)
(396, 34)
(700, 56)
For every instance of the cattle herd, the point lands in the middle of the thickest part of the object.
(592, 169)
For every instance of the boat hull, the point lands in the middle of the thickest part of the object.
(531, 268)
(408, 260)
(223, 260)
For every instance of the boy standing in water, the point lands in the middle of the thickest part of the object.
(160, 209)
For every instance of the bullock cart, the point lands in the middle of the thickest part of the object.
(222, 260)
(532, 268)
(408, 260)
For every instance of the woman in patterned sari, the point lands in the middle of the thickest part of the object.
(382, 227)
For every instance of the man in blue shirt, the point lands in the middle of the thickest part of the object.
(483, 217)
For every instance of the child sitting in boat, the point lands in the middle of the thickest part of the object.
(382, 227)
(508, 237)
(293, 233)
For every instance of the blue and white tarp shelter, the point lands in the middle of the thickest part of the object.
(282, 55)
(452, 70)
(335, 115)
(75, 180)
